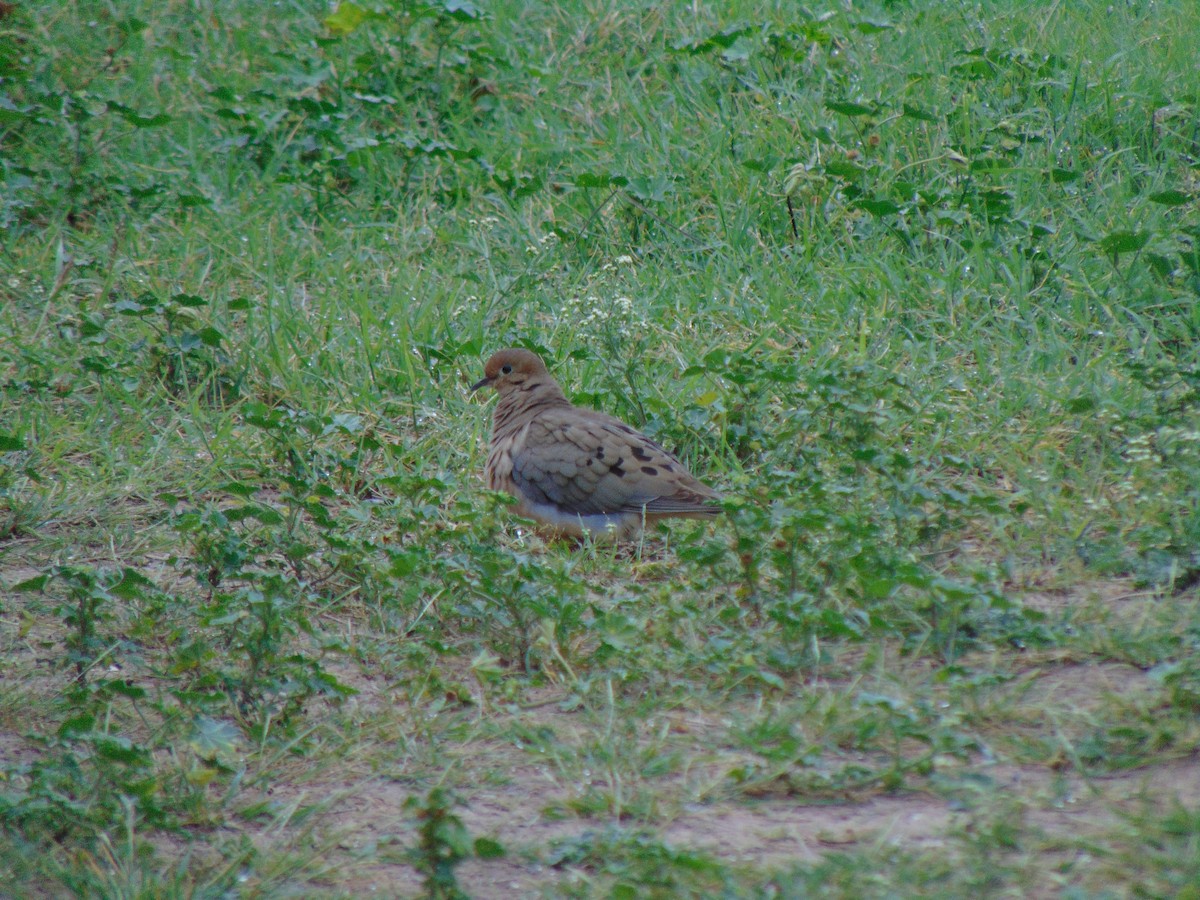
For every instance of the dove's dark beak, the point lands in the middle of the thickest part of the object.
(483, 382)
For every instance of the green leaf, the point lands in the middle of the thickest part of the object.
(650, 189)
(844, 169)
(1171, 198)
(10, 443)
(37, 583)
(1077, 405)
(263, 514)
(127, 306)
(11, 114)
(915, 112)
(118, 749)
(77, 725)
(260, 415)
(238, 488)
(348, 17)
(133, 117)
(594, 179)
(210, 337)
(878, 207)
(142, 193)
(131, 585)
(764, 165)
(346, 423)
(96, 364)
(1162, 266)
(487, 848)
(124, 688)
(132, 25)
(1064, 176)
(847, 108)
(213, 739)
(1124, 242)
(723, 40)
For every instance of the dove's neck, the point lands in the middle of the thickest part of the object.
(520, 406)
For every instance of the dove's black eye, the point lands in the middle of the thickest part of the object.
(506, 370)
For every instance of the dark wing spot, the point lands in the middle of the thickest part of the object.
(649, 470)
(599, 453)
(640, 455)
(616, 469)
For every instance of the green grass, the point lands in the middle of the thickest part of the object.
(915, 285)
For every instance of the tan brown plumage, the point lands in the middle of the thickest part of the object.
(578, 471)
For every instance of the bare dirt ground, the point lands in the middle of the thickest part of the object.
(765, 834)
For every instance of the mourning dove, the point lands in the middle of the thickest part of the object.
(577, 471)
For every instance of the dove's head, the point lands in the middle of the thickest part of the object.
(509, 370)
